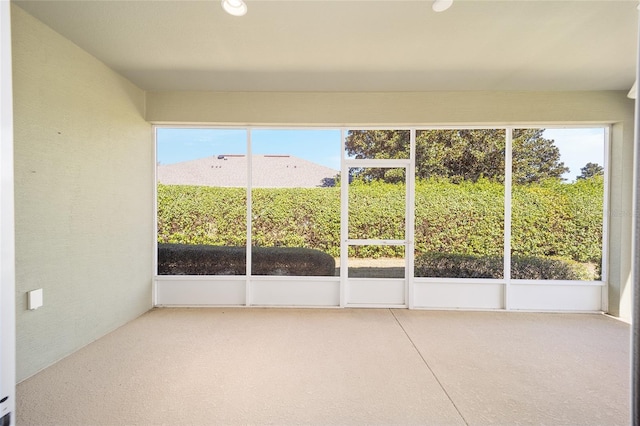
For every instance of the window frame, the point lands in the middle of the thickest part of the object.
(507, 283)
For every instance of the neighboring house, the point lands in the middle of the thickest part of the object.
(268, 171)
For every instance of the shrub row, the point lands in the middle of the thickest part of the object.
(445, 265)
(550, 219)
(184, 259)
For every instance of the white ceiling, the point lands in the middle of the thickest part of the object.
(342, 45)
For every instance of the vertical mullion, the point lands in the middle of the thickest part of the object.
(154, 295)
(604, 244)
(249, 224)
(344, 221)
(410, 218)
(508, 165)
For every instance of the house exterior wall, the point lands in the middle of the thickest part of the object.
(439, 108)
(83, 196)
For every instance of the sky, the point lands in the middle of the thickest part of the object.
(577, 146)
(318, 146)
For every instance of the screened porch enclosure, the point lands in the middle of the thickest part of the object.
(424, 217)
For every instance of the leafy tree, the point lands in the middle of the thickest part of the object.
(590, 170)
(460, 154)
(535, 158)
(463, 154)
(376, 145)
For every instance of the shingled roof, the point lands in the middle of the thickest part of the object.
(269, 171)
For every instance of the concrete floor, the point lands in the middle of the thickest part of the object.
(331, 366)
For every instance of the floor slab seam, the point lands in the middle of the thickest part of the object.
(424, 361)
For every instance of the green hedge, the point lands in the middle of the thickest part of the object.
(551, 219)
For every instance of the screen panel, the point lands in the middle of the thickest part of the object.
(295, 202)
(202, 201)
(459, 203)
(557, 204)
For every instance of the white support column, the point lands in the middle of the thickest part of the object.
(7, 239)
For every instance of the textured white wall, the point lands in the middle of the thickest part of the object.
(438, 108)
(84, 196)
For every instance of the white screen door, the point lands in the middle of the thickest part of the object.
(376, 251)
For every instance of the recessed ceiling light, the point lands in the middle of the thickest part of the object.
(234, 7)
(441, 5)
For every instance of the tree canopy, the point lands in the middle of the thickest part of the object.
(461, 154)
(590, 170)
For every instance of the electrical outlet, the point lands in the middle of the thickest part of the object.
(35, 299)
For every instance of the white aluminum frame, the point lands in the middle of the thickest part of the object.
(420, 292)
(249, 256)
(506, 250)
(380, 289)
